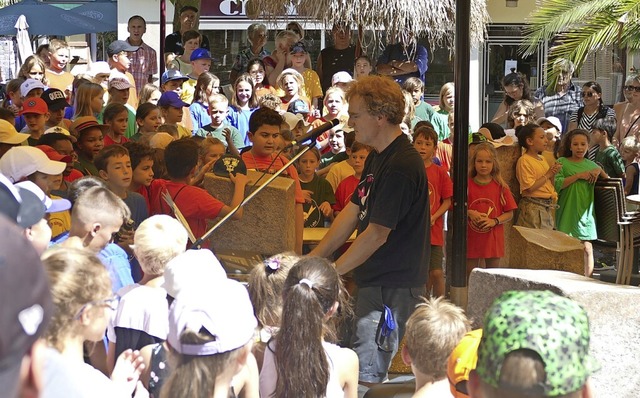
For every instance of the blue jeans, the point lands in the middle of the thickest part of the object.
(374, 360)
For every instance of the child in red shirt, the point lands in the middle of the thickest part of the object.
(344, 190)
(490, 204)
(196, 205)
(264, 134)
(425, 140)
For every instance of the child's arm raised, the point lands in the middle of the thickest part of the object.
(240, 182)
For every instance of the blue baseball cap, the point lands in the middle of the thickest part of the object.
(172, 74)
(298, 106)
(172, 99)
(200, 53)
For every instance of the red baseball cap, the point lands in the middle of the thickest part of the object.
(54, 155)
(35, 105)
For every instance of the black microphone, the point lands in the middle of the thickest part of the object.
(315, 133)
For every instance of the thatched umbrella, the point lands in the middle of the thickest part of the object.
(432, 19)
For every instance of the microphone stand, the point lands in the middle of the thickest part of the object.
(198, 243)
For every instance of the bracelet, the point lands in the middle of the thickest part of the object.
(497, 221)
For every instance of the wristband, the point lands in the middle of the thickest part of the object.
(497, 221)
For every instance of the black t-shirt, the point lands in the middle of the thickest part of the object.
(393, 193)
(173, 43)
(334, 61)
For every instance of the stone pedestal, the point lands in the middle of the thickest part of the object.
(544, 249)
(613, 318)
(268, 224)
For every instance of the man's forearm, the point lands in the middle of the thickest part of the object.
(341, 229)
(362, 248)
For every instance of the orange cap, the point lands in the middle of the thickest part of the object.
(462, 361)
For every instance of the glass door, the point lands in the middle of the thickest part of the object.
(502, 56)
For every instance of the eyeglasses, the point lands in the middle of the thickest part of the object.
(632, 88)
(111, 303)
(515, 115)
(590, 93)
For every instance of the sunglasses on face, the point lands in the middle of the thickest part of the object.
(632, 88)
(589, 94)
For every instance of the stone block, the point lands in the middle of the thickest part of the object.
(612, 310)
(268, 223)
(544, 249)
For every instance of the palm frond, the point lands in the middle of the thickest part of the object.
(555, 16)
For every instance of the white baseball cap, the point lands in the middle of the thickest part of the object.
(22, 161)
(192, 270)
(341, 77)
(98, 68)
(223, 309)
(293, 119)
(30, 84)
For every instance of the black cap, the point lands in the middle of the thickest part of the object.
(55, 99)
(229, 164)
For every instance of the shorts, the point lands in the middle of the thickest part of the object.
(375, 360)
(435, 260)
(536, 213)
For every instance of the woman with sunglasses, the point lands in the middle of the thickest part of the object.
(81, 291)
(515, 88)
(592, 110)
(628, 116)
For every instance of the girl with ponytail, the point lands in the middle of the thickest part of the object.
(298, 362)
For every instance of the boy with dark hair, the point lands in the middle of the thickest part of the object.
(90, 135)
(63, 144)
(196, 205)
(607, 156)
(142, 166)
(264, 134)
(56, 104)
(425, 140)
(114, 167)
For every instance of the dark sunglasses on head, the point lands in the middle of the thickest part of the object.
(632, 88)
(589, 94)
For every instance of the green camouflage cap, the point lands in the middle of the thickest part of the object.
(554, 327)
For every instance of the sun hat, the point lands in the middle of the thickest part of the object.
(98, 68)
(84, 122)
(554, 327)
(192, 270)
(22, 161)
(161, 140)
(9, 134)
(57, 129)
(30, 84)
(462, 361)
(19, 205)
(293, 119)
(222, 308)
(50, 205)
(26, 302)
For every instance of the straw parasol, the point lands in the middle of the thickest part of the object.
(431, 19)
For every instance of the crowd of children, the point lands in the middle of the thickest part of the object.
(127, 165)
